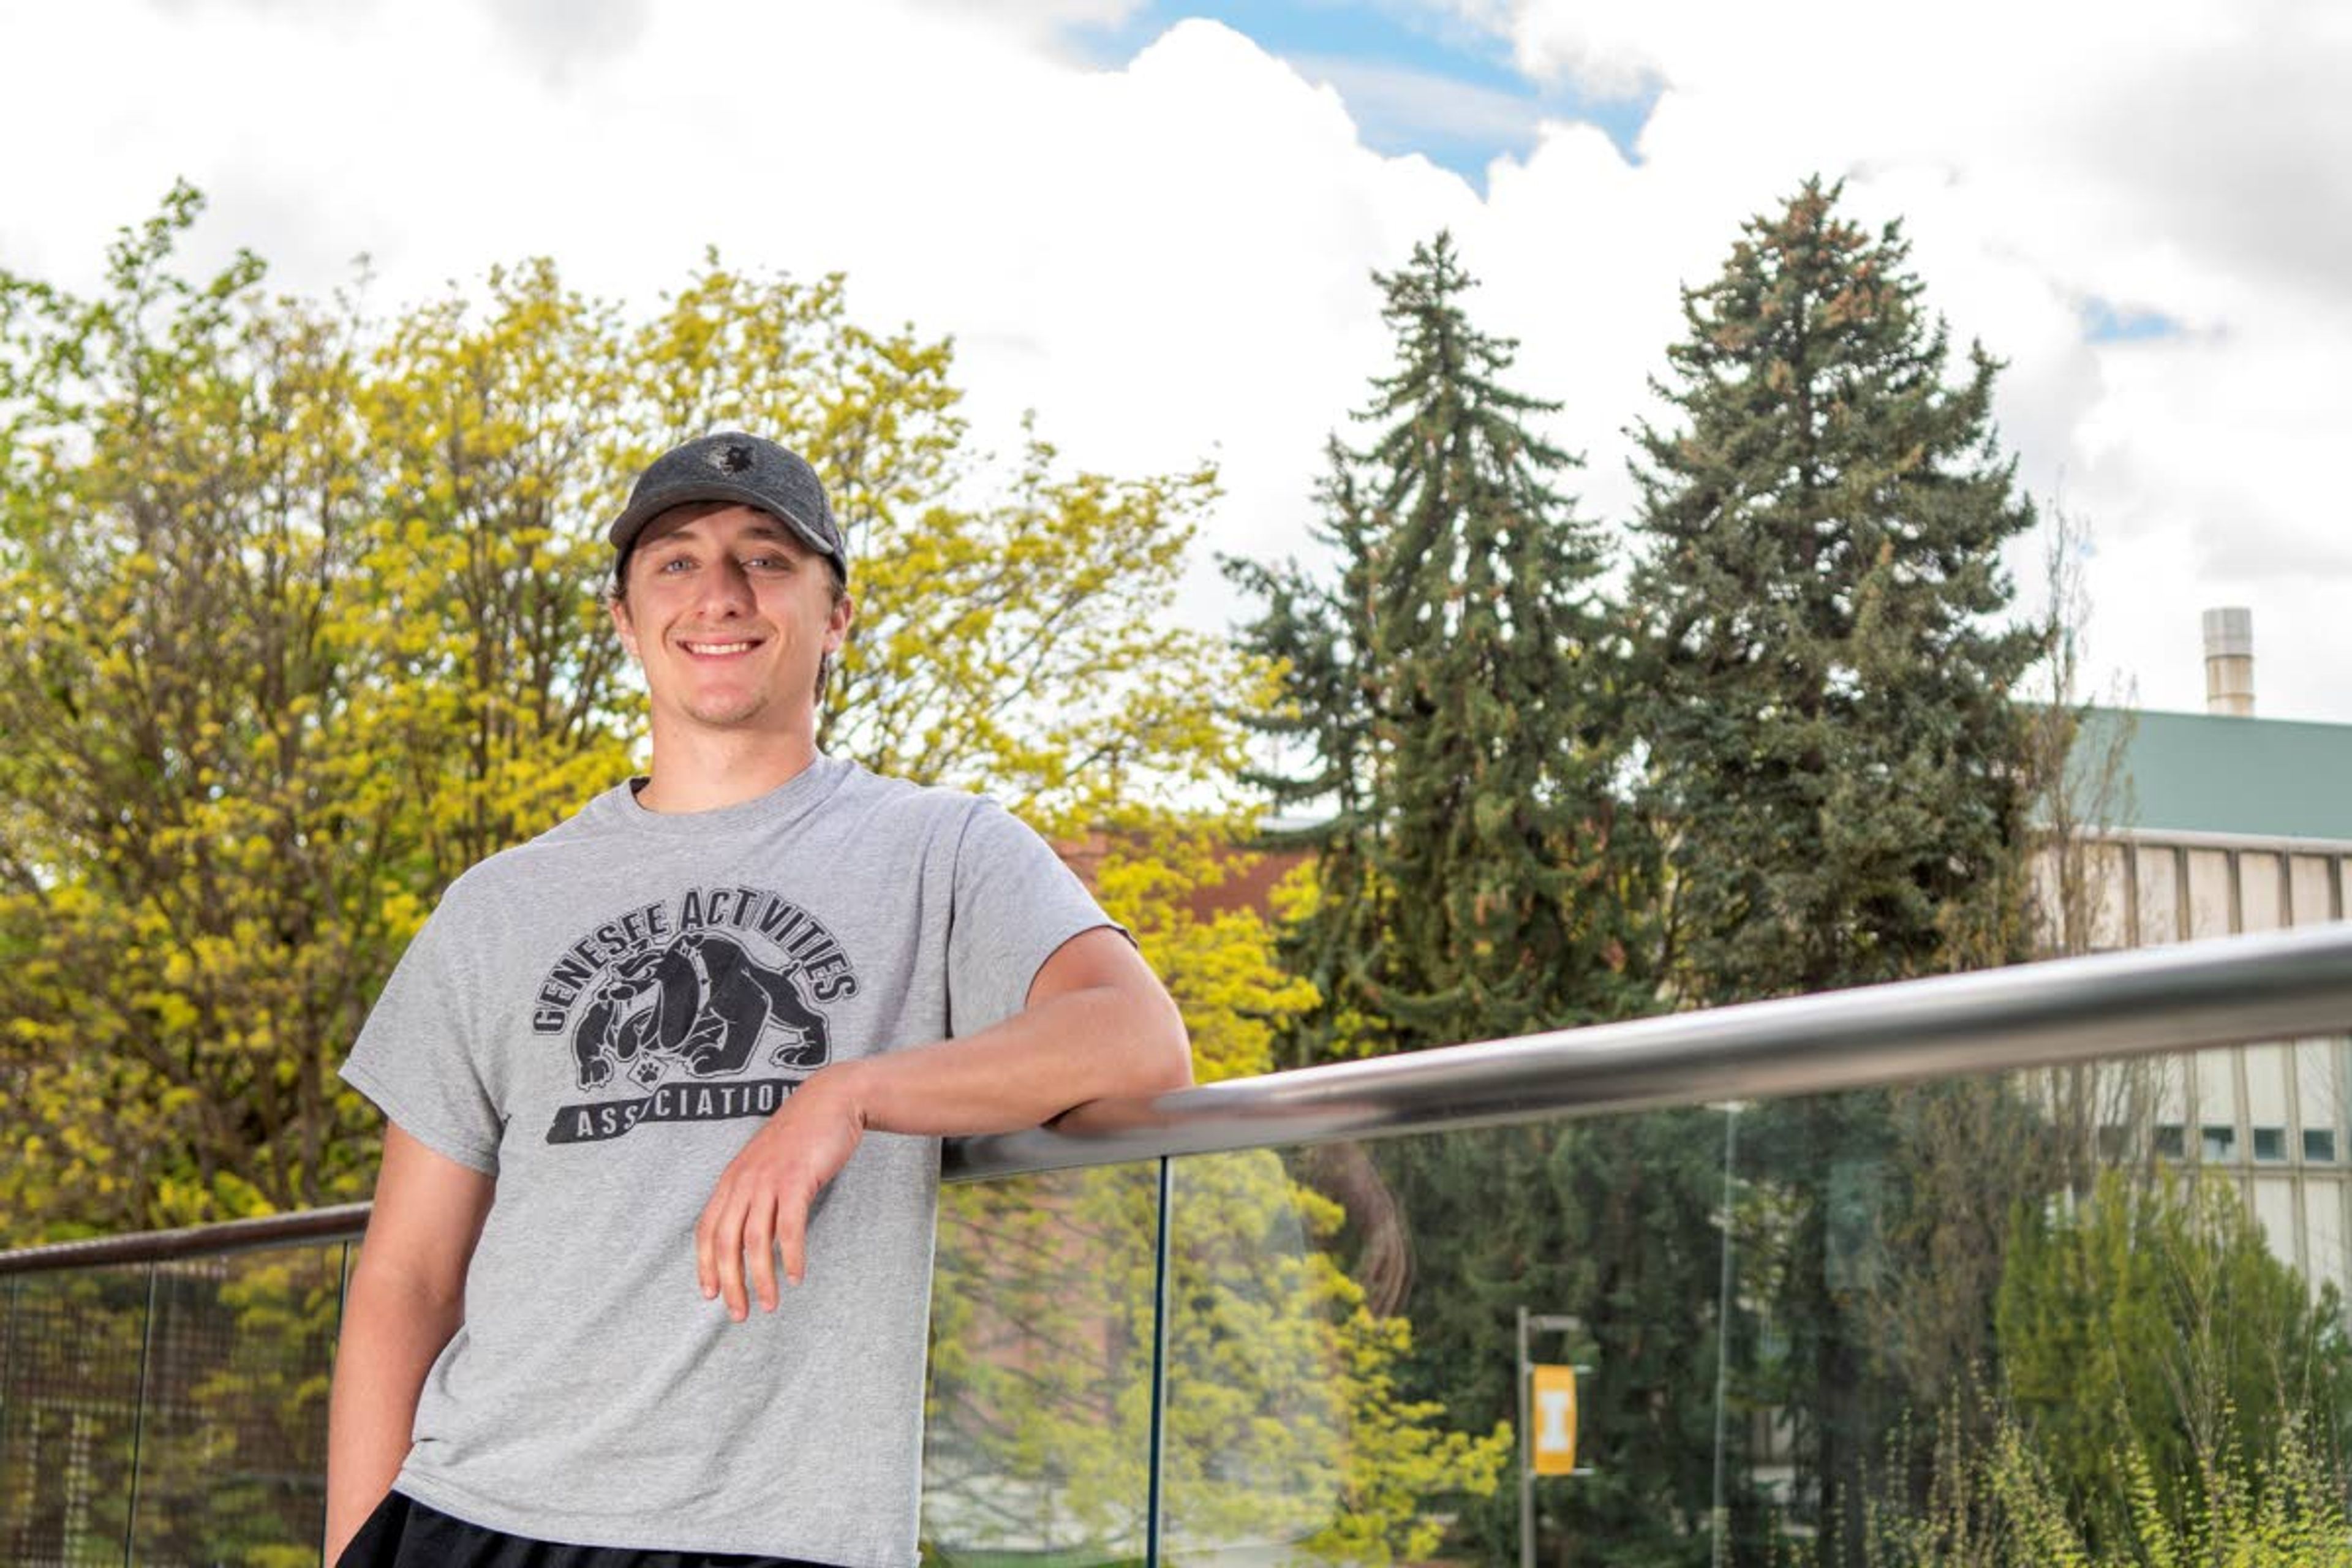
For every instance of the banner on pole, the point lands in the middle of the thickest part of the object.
(1555, 1420)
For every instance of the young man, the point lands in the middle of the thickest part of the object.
(718, 1019)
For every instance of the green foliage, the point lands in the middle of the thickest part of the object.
(1834, 763)
(1998, 1503)
(1618, 1221)
(309, 620)
(1833, 749)
(2149, 1337)
(1454, 693)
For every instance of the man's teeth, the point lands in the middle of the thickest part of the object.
(717, 646)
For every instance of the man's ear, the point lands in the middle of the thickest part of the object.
(836, 624)
(619, 609)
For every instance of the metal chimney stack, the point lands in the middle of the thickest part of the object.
(2229, 662)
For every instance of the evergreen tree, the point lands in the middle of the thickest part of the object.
(1834, 760)
(1456, 696)
(1827, 696)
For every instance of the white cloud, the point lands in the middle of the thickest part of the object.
(1168, 261)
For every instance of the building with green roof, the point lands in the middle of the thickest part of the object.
(2206, 825)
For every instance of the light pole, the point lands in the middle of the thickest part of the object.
(1550, 1322)
(1715, 1520)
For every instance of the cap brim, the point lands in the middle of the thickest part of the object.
(646, 508)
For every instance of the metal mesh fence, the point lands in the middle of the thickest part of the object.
(168, 1414)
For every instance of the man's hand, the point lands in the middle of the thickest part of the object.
(1097, 1026)
(762, 1203)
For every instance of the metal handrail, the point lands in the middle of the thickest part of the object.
(338, 1221)
(2144, 1002)
(2226, 991)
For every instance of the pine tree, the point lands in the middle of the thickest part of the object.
(1455, 695)
(1827, 707)
(1833, 757)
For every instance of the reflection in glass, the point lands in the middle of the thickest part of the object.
(1038, 1426)
(234, 1434)
(70, 1414)
(1341, 1385)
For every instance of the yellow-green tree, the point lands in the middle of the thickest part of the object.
(308, 619)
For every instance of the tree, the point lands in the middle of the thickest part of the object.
(309, 622)
(2160, 1359)
(2081, 792)
(1455, 695)
(1834, 760)
(1832, 739)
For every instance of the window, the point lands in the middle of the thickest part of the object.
(2171, 1142)
(2269, 1144)
(2319, 1145)
(2219, 1143)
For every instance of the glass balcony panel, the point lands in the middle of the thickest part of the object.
(1036, 1449)
(1344, 1327)
(70, 1414)
(232, 1454)
(1933, 1275)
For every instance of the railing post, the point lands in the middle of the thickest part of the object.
(139, 1420)
(1716, 1514)
(1155, 1496)
(1519, 1376)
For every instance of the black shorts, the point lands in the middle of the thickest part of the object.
(403, 1534)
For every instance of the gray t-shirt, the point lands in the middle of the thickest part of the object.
(601, 1018)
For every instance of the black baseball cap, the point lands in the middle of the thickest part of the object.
(732, 467)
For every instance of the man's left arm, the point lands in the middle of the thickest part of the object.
(1097, 1025)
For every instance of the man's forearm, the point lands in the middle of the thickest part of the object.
(1091, 1044)
(390, 1337)
(1097, 1026)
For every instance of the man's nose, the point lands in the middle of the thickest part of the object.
(727, 587)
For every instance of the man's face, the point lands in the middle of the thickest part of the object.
(728, 614)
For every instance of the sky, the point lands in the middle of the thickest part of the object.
(1155, 224)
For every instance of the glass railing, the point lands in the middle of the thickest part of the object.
(1949, 1271)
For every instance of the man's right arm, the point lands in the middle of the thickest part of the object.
(405, 1300)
